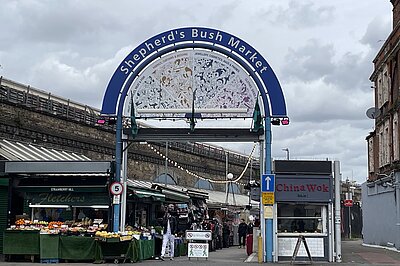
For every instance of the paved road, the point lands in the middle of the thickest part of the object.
(353, 252)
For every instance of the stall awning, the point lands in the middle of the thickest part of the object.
(197, 194)
(55, 167)
(176, 196)
(149, 194)
(20, 151)
(171, 193)
(219, 198)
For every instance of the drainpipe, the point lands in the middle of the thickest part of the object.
(397, 186)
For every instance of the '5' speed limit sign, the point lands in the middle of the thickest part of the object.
(116, 188)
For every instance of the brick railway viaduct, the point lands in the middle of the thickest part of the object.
(35, 116)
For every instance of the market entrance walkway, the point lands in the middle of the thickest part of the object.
(354, 253)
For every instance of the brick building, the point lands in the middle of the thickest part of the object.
(380, 194)
(383, 142)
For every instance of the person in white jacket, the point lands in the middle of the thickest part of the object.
(169, 231)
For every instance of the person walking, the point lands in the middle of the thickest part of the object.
(169, 231)
(225, 234)
(242, 233)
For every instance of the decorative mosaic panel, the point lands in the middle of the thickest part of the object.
(218, 86)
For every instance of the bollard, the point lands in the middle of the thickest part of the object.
(260, 251)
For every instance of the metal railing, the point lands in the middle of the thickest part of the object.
(41, 101)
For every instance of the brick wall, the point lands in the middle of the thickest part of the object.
(21, 123)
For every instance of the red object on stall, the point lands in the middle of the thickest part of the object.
(249, 244)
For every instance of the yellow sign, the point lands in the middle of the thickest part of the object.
(268, 198)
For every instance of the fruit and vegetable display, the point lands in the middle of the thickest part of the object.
(82, 228)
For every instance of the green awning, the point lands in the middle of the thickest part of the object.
(149, 194)
(175, 195)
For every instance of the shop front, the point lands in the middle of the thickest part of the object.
(143, 204)
(61, 211)
(304, 203)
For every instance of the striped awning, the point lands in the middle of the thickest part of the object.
(19, 151)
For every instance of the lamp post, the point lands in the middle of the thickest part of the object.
(287, 153)
(229, 178)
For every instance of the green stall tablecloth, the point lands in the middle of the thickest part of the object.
(77, 248)
(49, 246)
(133, 252)
(146, 248)
(182, 249)
(21, 242)
(110, 250)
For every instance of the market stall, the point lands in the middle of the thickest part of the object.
(52, 243)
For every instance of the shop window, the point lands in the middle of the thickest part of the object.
(165, 179)
(301, 218)
(204, 184)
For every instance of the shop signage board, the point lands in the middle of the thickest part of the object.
(198, 250)
(304, 188)
(198, 235)
(69, 198)
(116, 188)
(268, 198)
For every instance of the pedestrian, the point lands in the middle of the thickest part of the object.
(225, 234)
(169, 231)
(242, 233)
(250, 227)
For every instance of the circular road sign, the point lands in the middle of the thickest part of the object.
(116, 188)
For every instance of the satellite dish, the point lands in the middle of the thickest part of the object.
(373, 113)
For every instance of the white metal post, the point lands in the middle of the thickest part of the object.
(338, 239)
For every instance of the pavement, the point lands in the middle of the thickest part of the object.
(353, 253)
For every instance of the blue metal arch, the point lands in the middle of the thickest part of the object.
(128, 69)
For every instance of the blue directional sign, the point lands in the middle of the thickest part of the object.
(268, 183)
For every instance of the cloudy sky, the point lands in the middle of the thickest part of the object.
(321, 51)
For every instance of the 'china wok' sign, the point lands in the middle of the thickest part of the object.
(301, 188)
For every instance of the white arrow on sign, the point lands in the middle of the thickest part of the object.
(268, 179)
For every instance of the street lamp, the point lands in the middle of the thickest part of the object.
(229, 177)
(287, 153)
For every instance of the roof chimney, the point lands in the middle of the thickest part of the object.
(396, 12)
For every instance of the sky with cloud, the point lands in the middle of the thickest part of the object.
(321, 52)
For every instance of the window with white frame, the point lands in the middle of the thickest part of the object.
(301, 218)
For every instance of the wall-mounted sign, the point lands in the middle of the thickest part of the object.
(348, 203)
(303, 188)
(69, 198)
